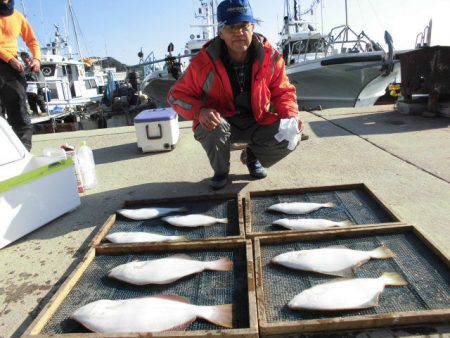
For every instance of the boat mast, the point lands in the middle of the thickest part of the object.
(346, 20)
(296, 14)
(213, 13)
(72, 16)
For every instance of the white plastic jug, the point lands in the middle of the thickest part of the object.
(87, 166)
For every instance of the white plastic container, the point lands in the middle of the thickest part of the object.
(87, 166)
(33, 190)
(157, 130)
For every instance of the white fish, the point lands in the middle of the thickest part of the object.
(330, 261)
(149, 314)
(347, 294)
(166, 270)
(299, 208)
(195, 220)
(304, 224)
(140, 237)
(148, 213)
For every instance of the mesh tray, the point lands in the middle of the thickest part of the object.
(207, 288)
(357, 205)
(427, 275)
(219, 208)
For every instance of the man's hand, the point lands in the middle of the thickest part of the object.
(209, 118)
(17, 65)
(35, 65)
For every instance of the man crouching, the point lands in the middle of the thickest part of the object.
(236, 90)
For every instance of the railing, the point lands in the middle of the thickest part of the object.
(326, 45)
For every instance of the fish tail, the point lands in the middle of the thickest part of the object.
(221, 315)
(392, 278)
(345, 224)
(383, 252)
(223, 264)
(223, 220)
(329, 205)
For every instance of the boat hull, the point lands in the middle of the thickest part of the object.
(157, 90)
(356, 84)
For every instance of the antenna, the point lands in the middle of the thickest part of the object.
(72, 16)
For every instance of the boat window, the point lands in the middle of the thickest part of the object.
(93, 83)
(87, 84)
(302, 47)
(59, 71)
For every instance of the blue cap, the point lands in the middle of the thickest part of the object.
(230, 12)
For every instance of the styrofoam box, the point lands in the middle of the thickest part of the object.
(33, 190)
(157, 130)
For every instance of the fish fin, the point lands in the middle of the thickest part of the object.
(181, 327)
(172, 297)
(392, 278)
(222, 220)
(344, 274)
(221, 315)
(383, 252)
(329, 205)
(182, 209)
(223, 264)
(179, 238)
(347, 223)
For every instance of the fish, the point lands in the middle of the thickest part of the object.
(148, 213)
(345, 294)
(310, 224)
(299, 208)
(194, 220)
(334, 261)
(149, 314)
(141, 237)
(166, 270)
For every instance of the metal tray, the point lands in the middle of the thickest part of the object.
(426, 299)
(355, 202)
(88, 282)
(220, 206)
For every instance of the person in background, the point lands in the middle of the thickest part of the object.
(12, 80)
(236, 90)
(35, 93)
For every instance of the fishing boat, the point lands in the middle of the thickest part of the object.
(161, 75)
(339, 69)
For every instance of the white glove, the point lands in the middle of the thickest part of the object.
(289, 131)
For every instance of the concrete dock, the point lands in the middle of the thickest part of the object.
(404, 159)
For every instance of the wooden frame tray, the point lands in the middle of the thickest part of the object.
(238, 229)
(320, 322)
(75, 282)
(250, 195)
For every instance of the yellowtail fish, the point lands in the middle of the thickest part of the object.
(149, 314)
(330, 261)
(192, 221)
(166, 270)
(347, 294)
(148, 213)
(310, 224)
(140, 237)
(299, 208)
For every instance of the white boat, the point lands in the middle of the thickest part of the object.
(159, 79)
(340, 69)
(66, 83)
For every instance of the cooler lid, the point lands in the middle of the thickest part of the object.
(153, 115)
(11, 148)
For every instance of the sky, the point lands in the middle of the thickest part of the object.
(121, 28)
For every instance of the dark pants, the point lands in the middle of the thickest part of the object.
(241, 128)
(13, 98)
(35, 100)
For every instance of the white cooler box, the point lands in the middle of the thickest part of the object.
(33, 190)
(157, 129)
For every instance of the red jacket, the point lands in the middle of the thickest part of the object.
(206, 85)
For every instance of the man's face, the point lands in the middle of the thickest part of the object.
(237, 37)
